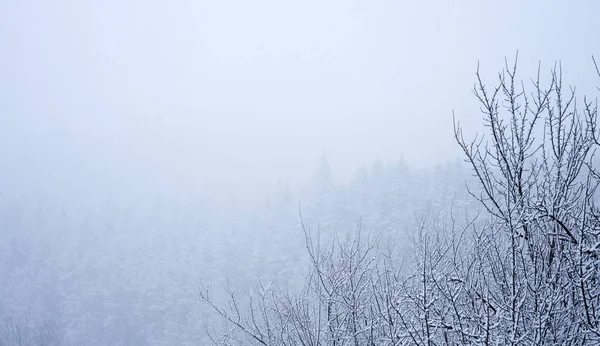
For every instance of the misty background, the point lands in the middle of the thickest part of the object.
(227, 98)
(146, 140)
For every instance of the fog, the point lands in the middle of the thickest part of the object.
(228, 97)
(129, 103)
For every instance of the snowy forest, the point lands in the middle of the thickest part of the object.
(499, 248)
(134, 279)
(299, 173)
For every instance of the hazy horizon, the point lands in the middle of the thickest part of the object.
(227, 98)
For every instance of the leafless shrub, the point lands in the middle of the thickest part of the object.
(529, 274)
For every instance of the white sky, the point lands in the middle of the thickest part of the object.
(221, 97)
